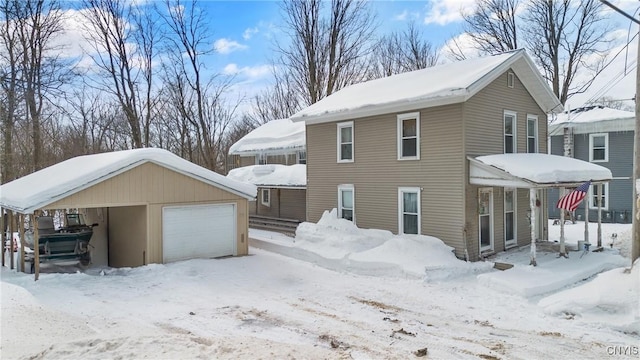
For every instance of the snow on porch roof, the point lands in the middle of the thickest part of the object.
(281, 134)
(282, 176)
(533, 171)
(43, 187)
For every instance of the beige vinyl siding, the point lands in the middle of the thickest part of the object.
(247, 160)
(127, 236)
(484, 132)
(156, 186)
(376, 173)
(293, 204)
(273, 210)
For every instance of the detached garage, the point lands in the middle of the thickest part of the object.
(151, 205)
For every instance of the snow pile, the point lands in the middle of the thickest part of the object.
(547, 169)
(611, 299)
(275, 135)
(340, 244)
(271, 175)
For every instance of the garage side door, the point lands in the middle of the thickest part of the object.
(200, 231)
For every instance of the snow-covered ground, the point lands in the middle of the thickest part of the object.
(334, 291)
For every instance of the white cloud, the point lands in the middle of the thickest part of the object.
(460, 43)
(251, 72)
(226, 46)
(443, 12)
(249, 32)
(402, 16)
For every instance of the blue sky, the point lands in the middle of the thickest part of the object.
(244, 32)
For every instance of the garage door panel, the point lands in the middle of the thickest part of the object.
(204, 231)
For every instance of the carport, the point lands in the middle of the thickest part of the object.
(151, 206)
(535, 172)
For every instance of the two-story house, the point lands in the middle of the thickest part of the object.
(603, 136)
(273, 157)
(396, 153)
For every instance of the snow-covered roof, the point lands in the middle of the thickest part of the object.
(439, 85)
(55, 182)
(592, 119)
(274, 136)
(534, 170)
(272, 175)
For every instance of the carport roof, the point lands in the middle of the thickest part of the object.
(43, 187)
(534, 171)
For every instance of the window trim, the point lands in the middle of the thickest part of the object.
(268, 192)
(514, 128)
(511, 79)
(606, 147)
(401, 191)
(514, 241)
(591, 194)
(340, 126)
(535, 135)
(341, 188)
(399, 138)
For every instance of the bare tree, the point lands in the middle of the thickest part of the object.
(492, 25)
(562, 38)
(401, 52)
(277, 102)
(326, 54)
(566, 38)
(123, 42)
(199, 100)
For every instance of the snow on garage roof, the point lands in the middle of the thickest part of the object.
(438, 85)
(272, 175)
(55, 182)
(537, 170)
(281, 134)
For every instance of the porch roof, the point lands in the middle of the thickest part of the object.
(534, 171)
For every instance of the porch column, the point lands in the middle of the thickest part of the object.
(11, 230)
(563, 252)
(586, 222)
(36, 245)
(532, 207)
(22, 240)
(599, 214)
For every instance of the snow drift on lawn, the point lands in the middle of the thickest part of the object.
(340, 244)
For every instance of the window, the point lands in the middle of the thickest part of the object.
(485, 213)
(509, 216)
(594, 196)
(345, 142)
(345, 202)
(509, 132)
(598, 147)
(265, 197)
(511, 79)
(409, 136)
(409, 210)
(532, 133)
(261, 159)
(302, 157)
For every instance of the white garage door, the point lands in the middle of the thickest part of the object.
(200, 231)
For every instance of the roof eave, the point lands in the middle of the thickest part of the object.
(381, 109)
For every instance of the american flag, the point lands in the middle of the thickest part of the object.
(571, 200)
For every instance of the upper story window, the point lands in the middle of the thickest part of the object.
(302, 157)
(509, 132)
(598, 147)
(345, 141)
(345, 202)
(511, 79)
(409, 136)
(532, 133)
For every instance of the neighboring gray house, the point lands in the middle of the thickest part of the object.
(603, 136)
(400, 153)
(273, 157)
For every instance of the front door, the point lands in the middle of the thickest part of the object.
(485, 212)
